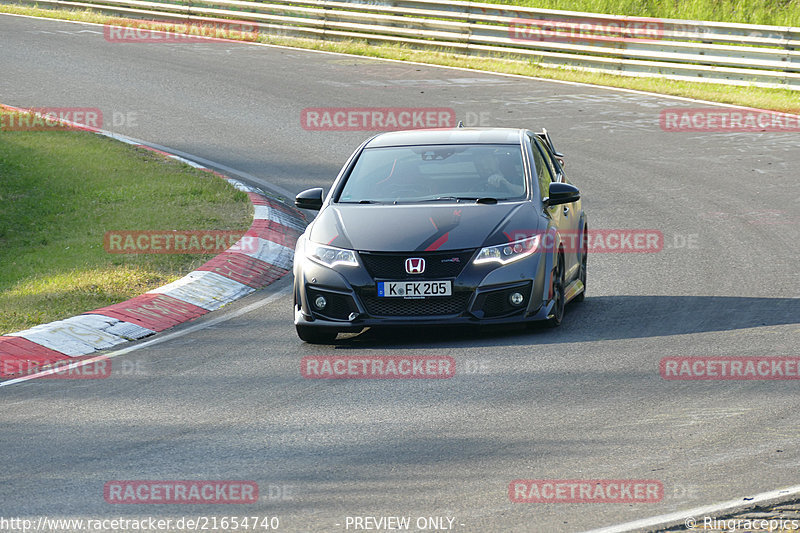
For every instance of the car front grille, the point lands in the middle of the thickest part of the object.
(437, 306)
(437, 264)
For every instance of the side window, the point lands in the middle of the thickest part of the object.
(555, 168)
(543, 172)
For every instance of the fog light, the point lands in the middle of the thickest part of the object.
(516, 298)
(320, 302)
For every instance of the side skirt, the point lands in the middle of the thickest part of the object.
(573, 289)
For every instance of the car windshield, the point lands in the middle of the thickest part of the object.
(410, 174)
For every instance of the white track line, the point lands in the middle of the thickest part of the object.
(463, 69)
(698, 513)
(206, 324)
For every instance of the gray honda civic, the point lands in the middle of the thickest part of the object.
(455, 226)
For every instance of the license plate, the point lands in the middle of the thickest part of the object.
(414, 289)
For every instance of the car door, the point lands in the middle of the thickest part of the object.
(572, 215)
(566, 216)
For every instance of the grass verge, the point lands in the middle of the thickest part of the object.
(61, 191)
(769, 12)
(784, 100)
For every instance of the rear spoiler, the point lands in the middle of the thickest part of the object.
(545, 137)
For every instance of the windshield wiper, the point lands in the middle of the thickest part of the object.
(447, 199)
(442, 199)
(477, 200)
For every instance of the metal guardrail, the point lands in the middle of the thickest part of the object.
(739, 54)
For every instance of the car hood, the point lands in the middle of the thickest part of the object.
(406, 228)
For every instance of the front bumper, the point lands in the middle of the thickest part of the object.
(480, 296)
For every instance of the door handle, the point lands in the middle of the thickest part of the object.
(566, 211)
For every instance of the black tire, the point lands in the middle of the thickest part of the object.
(558, 294)
(584, 257)
(314, 335)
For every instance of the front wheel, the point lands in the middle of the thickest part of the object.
(558, 295)
(314, 335)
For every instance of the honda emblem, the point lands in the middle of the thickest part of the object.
(415, 265)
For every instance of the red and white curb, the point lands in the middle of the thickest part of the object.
(224, 279)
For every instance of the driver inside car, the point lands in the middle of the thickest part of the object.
(489, 168)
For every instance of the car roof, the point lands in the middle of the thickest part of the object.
(447, 136)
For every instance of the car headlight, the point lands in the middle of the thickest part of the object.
(509, 252)
(330, 256)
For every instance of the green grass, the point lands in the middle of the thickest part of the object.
(771, 12)
(775, 99)
(61, 191)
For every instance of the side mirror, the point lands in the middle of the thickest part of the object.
(561, 193)
(309, 199)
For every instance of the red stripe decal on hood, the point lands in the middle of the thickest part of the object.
(438, 243)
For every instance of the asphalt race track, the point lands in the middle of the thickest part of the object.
(584, 401)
